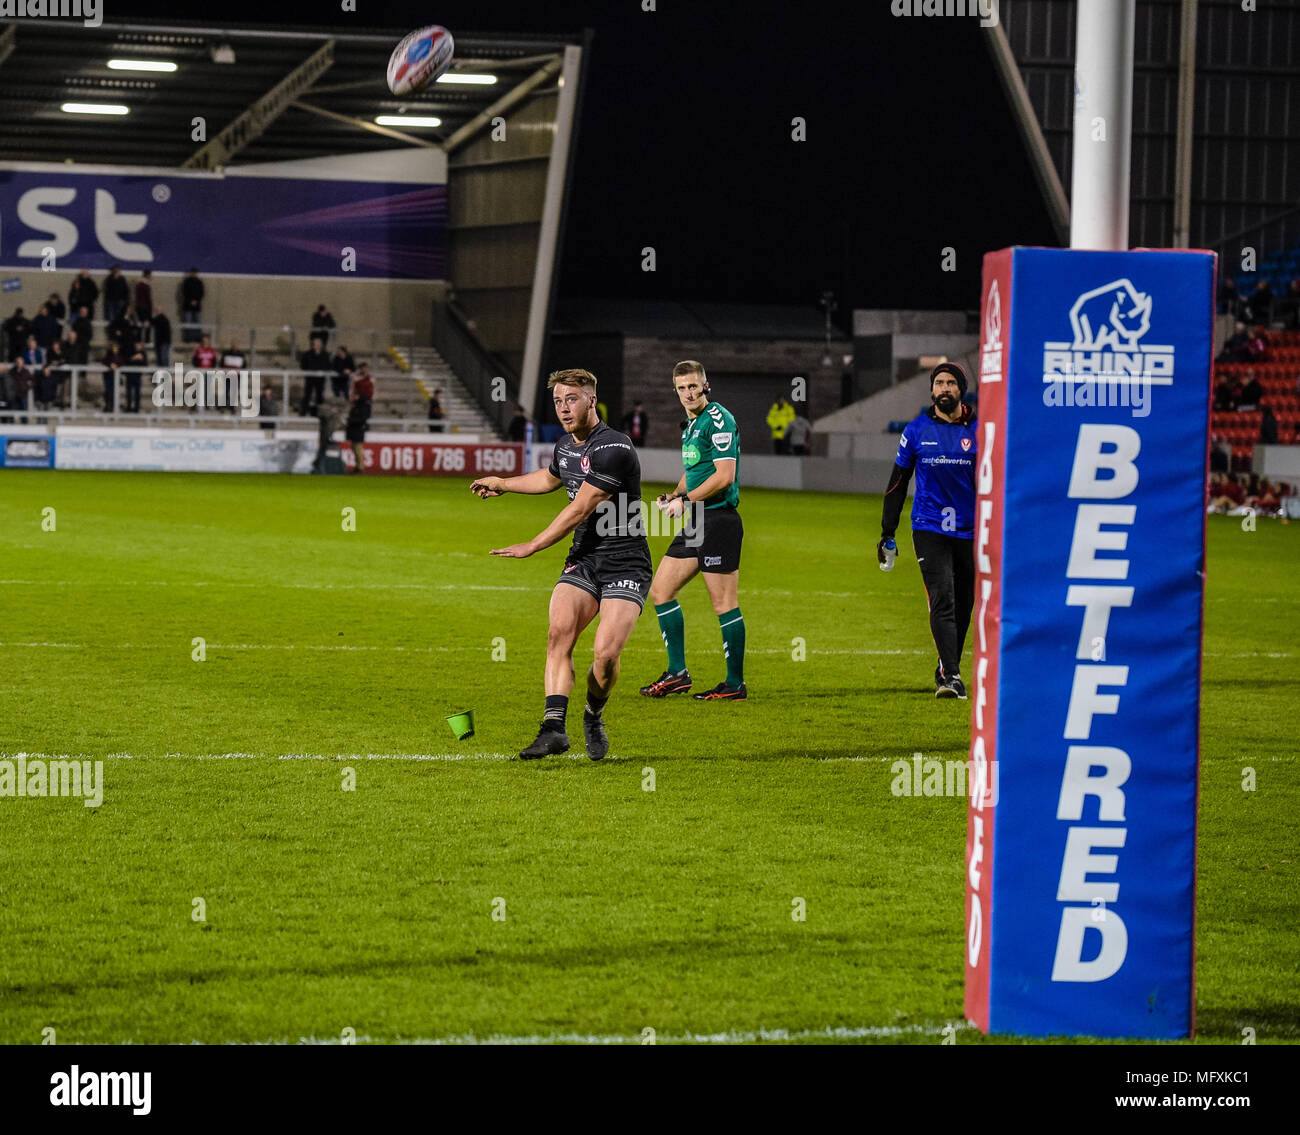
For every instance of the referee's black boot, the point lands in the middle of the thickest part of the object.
(549, 742)
(593, 730)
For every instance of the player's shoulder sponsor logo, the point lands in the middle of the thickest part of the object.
(965, 444)
(902, 442)
(564, 462)
(722, 441)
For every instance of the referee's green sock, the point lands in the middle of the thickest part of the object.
(733, 646)
(673, 628)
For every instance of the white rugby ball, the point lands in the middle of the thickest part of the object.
(419, 59)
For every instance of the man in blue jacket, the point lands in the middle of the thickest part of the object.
(940, 445)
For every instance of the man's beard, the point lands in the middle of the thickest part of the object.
(946, 402)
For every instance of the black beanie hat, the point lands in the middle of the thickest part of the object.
(952, 369)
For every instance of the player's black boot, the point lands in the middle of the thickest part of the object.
(668, 683)
(951, 687)
(549, 741)
(722, 692)
(593, 729)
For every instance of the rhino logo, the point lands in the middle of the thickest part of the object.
(1113, 316)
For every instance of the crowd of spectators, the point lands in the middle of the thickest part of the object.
(38, 351)
(1260, 305)
(1236, 492)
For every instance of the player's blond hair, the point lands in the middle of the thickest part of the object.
(689, 366)
(571, 378)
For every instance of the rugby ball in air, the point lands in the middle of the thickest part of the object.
(419, 59)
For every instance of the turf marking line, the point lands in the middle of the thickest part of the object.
(732, 1036)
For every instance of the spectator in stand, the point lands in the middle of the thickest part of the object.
(1234, 348)
(1219, 457)
(1251, 392)
(437, 417)
(137, 364)
(363, 393)
(313, 387)
(322, 321)
(20, 382)
(343, 365)
(122, 331)
(1229, 300)
(32, 354)
(16, 329)
(799, 436)
(1259, 304)
(266, 408)
(1257, 347)
(517, 430)
(116, 294)
(83, 293)
(1290, 306)
(1227, 394)
(56, 372)
(191, 306)
(56, 307)
(205, 355)
(779, 418)
(113, 362)
(144, 304)
(635, 424)
(162, 338)
(1267, 427)
(82, 332)
(45, 327)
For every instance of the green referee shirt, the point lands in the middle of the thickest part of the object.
(711, 435)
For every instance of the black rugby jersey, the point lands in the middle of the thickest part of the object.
(608, 460)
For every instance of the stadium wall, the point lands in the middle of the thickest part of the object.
(746, 375)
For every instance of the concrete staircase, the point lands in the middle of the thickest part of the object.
(406, 394)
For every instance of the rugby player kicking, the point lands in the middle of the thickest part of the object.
(607, 570)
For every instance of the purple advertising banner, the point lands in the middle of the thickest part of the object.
(261, 226)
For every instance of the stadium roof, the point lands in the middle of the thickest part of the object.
(337, 82)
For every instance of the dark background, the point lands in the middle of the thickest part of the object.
(685, 145)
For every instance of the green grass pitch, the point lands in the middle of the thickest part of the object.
(617, 909)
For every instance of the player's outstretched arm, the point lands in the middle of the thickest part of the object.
(534, 483)
(570, 516)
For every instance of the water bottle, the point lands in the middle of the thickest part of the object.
(891, 551)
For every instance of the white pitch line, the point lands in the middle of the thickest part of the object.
(538, 589)
(731, 1036)
(636, 649)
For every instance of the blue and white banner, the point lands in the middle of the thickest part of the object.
(1090, 559)
(261, 226)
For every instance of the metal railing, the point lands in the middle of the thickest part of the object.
(71, 386)
(256, 342)
(483, 376)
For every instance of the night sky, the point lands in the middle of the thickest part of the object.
(685, 145)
